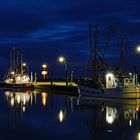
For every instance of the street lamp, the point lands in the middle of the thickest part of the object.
(62, 59)
(138, 48)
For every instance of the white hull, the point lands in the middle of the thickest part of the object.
(116, 93)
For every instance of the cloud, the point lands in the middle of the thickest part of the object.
(45, 29)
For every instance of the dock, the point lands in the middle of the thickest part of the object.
(57, 87)
(50, 87)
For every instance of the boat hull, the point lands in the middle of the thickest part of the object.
(22, 86)
(117, 93)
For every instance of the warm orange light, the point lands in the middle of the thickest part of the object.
(44, 98)
(61, 59)
(44, 72)
(44, 65)
(137, 89)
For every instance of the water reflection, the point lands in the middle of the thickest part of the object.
(61, 115)
(44, 98)
(118, 119)
(19, 101)
(83, 118)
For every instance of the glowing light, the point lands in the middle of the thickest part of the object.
(130, 73)
(109, 119)
(130, 122)
(109, 80)
(44, 98)
(109, 75)
(18, 99)
(137, 108)
(44, 65)
(138, 136)
(137, 89)
(12, 101)
(24, 99)
(12, 72)
(23, 108)
(138, 48)
(18, 78)
(110, 116)
(61, 59)
(44, 72)
(7, 93)
(24, 64)
(61, 116)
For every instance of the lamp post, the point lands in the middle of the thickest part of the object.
(62, 59)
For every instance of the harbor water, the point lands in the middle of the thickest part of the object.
(49, 116)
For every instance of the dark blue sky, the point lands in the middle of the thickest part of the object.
(46, 29)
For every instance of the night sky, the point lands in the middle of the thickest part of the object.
(46, 29)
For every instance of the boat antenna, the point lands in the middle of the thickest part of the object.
(91, 49)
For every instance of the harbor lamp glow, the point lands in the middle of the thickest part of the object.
(62, 59)
(44, 70)
(138, 48)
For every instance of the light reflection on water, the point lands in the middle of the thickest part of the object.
(114, 119)
(33, 115)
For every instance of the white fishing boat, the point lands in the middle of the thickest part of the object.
(18, 74)
(125, 86)
(107, 83)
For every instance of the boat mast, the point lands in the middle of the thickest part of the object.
(21, 64)
(90, 61)
(95, 54)
(18, 61)
(122, 55)
(107, 41)
(90, 33)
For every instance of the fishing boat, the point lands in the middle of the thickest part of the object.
(18, 73)
(108, 83)
(125, 86)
